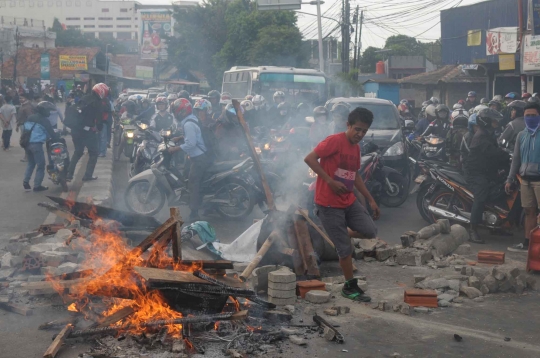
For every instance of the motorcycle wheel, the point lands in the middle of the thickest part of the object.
(446, 200)
(240, 197)
(128, 151)
(135, 195)
(117, 146)
(398, 192)
(422, 203)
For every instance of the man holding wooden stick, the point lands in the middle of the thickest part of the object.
(337, 207)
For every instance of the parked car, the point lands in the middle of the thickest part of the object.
(385, 132)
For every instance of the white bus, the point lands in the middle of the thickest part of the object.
(300, 85)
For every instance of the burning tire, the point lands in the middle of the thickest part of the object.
(138, 200)
(234, 200)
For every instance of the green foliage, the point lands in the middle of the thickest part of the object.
(218, 34)
(369, 59)
(75, 38)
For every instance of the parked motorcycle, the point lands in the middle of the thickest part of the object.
(227, 187)
(145, 147)
(59, 161)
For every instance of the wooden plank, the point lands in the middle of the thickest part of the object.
(58, 342)
(57, 323)
(177, 234)
(158, 275)
(298, 263)
(274, 236)
(209, 264)
(305, 248)
(17, 308)
(48, 287)
(160, 247)
(115, 317)
(322, 233)
(254, 156)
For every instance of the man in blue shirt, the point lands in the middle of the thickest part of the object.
(41, 130)
(196, 150)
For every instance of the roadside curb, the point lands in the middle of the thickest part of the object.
(100, 191)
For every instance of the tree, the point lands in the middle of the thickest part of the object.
(369, 59)
(218, 34)
(432, 51)
(403, 45)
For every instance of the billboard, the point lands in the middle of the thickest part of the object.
(144, 72)
(531, 54)
(501, 40)
(45, 65)
(154, 26)
(72, 63)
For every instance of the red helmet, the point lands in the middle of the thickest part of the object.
(101, 89)
(526, 95)
(162, 100)
(181, 108)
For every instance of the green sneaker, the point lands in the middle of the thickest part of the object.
(353, 292)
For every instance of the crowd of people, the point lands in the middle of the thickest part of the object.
(480, 136)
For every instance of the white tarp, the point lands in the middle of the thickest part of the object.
(244, 248)
(501, 40)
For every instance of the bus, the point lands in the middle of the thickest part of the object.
(300, 85)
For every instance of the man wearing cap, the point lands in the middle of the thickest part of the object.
(471, 101)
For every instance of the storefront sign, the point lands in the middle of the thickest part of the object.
(72, 63)
(144, 72)
(474, 37)
(531, 54)
(45, 66)
(501, 40)
(507, 62)
(155, 26)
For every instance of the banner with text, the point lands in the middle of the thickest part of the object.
(45, 66)
(501, 40)
(72, 63)
(531, 54)
(154, 26)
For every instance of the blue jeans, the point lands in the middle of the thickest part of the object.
(103, 140)
(36, 157)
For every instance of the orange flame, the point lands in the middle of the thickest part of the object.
(73, 307)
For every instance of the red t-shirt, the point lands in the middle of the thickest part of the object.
(341, 160)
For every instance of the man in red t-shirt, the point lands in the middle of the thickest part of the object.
(337, 207)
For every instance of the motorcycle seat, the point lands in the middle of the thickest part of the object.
(222, 166)
(457, 177)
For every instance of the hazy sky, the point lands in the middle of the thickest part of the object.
(382, 18)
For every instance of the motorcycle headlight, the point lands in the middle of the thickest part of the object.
(129, 134)
(258, 150)
(394, 150)
(266, 146)
(143, 126)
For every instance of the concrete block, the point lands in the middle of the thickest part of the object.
(342, 309)
(471, 292)
(289, 308)
(329, 334)
(369, 259)
(368, 245)
(454, 285)
(474, 282)
(5, 261)
(385, 254)
(412, 257)
(281, 294)
(396, 307)
(259, 278)
(481, 272)
(498, 273)
(282, 301)
(437, 283)
(358, 254)
(520, 284)
(298, 340)
(383, 306)
(282, 286)
(467, 271)
(491, 283)
(419, 278)
(283, 275)
(463, 249)
(458, 300)
(67, 267)
(405, 309)
(445, 244)
(443, 303)
(507, 284)
(422, 310)
(15, 247)
(318, 296)
(445, 297)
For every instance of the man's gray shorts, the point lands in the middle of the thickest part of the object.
(336, 220)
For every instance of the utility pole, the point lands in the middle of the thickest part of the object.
(359, 42)
(319, 31)
(348, 35)
(355, 20)
(17, 42)
(343, 36)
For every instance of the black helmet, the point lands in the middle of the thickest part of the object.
(495, 103)
(486, 116)
(341, 108)
(518, 106)
(534, 99)
(130, 106)
(48, 98)
(214, 94)
(283, 106)
(320, 111)
(45, 108)
(442, 108)
(302, 108)
(184, 94)
(484, 101)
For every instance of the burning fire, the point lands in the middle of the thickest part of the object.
(112, 260)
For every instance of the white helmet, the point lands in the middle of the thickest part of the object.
(133, 98)
(123, 96)
(457, 106)
(247, 105)
(435, 100)
(430, 110)
(479, 108)
(172, 97)
(258, 101)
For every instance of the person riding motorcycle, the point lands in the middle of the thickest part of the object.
(441, 125)
(471, 101)
(454, 138)
(319, 128)
(147, 111)
(130, 109)
(423, 123)
(214, 97)
(273, 111)
(172, 98)
(434, 100)
(525, 96)
(464, 150)
(229, 134)
(483, 163)
(283, 117)
(506, 112)
(260, 112)
(508, 137)
(184, 94)
(496, 105)
(162, 119)
(248, 111)
(340, 114)
(404, 109)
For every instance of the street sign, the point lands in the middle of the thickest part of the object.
(279, 4)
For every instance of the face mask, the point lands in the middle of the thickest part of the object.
(532, 122)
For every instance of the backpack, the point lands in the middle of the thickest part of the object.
(209, 139)
(24, 140)
(73, 117)
(454, 139)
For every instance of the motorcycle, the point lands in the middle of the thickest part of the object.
(124, 134)
(59, 161)
(227, 187)
(145, 149)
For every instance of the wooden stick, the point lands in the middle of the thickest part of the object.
(254, 156)
(274, 236)
(177, 234)
(58, 341)
(116, 316)
(57, 323)
(16, 308)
